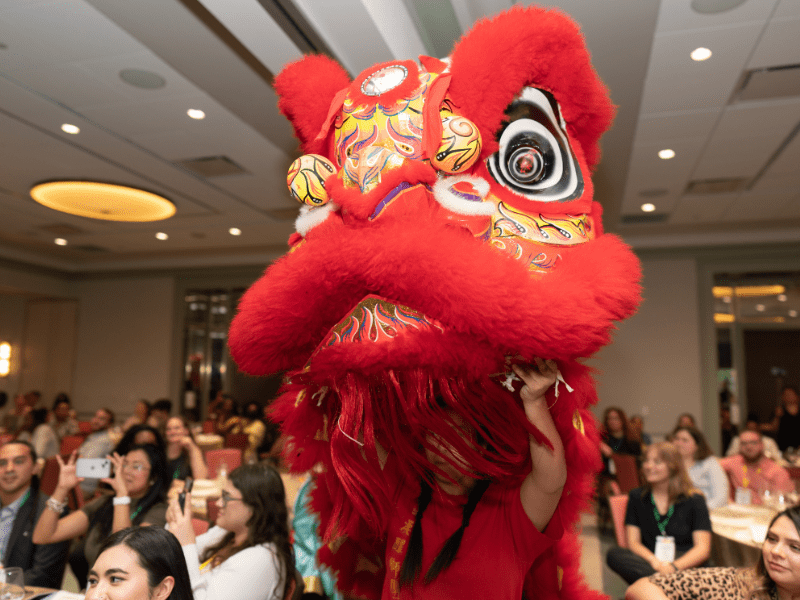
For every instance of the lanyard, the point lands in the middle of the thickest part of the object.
(661, 522)
(136, 512)
(745, 479)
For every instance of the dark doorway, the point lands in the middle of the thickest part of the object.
(772, 359)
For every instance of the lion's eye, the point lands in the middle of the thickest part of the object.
(535, 159)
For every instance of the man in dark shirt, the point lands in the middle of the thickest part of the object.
(21, 504)
(789, 424)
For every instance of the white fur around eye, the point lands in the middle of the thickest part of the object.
(444, 194)
(311, 216)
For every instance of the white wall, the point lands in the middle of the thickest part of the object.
(653, 366)
(125, 342)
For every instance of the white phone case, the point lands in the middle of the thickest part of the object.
(93, 468)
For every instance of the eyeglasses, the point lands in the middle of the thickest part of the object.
(138, 467)
(226, 497)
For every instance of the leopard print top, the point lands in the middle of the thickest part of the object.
(714, 583)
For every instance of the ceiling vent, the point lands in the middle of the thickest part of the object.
(61, 229)
(283, 214)
(716, 186)
(772, 82)
(212, 166)
(644, 219)
(91, 248)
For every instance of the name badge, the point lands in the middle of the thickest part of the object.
(743, 496)
(665, 548)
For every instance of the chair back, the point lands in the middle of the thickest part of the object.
(619, 504)
(208, 426)
(49, 477)
(70, 443)
(85, 427)
(232, 457)
(5, 438)
(200, 526)
(75, 500)
(237, 440)
(212, 510)
(627, 472)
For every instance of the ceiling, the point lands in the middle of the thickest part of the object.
(61, 62)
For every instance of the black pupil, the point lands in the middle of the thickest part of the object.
(527, 164)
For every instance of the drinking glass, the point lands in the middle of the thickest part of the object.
(12, 584)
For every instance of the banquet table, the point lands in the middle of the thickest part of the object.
(202, 491)
(738, 532)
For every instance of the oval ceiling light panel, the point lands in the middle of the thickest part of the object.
(103, 201)
(648, 207)
(196, 113)
(710, 7)
(70, 128)
(700, 54)
(146, 80)
(666, 154)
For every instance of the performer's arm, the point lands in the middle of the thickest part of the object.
(541, 489)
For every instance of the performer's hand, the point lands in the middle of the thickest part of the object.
(537, 380)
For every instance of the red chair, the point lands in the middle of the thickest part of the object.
(49, 477)
(619, 504)
(200, 526)
(212, 510)
(237, 440)
(70, 443)
(232, 457)
(85, 427)
(75, 500)
(627, 472)
(208, 426)
(5, 438)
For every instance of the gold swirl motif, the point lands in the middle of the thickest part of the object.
(460, 147)
(577, 422)
(306, 179)
(551, 230)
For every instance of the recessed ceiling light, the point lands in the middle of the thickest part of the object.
(60, 242)
(781, 297)
(196, 113)
(235, 231)
(700, 54)
(726, 299)
(69, 128)
(104, 201)
(666, 153)
(760, 307)
(792, 313)
(161, 236)
(648, 207)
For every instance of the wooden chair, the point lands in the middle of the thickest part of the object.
(237, 440)
(70, 443)
(618, 506)
(627, 472)
(232, 457)
(200, 526)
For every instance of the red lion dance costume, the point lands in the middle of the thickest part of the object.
(448, 230)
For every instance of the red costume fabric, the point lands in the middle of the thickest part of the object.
(499, 531)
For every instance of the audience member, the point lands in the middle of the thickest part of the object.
(3, 409)
(226, 419)
(62, 419)
(776, 576)
(32, 398)
(41, 436)
(751, 474)
(137, 436)
(667, 525)
(615, 439)
(271, 434)
(248, 553)
(139, 484)
(184, 457)
(150, 561)
(789, 422)
(141, 412)
(254, 427)
(22, 503)
(636, 431)
(771, 449)
(728, 429)
(159, 413)
(98, 444)
(703, 467)
(685, 420)
(15, 416)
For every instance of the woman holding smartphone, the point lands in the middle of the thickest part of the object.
(139, 484)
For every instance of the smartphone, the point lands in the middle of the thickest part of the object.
(93, 468)
(187, 487)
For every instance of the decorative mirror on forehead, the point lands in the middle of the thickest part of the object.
(535, 158)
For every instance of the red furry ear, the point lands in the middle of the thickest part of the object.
(529, 47)
(306, 88)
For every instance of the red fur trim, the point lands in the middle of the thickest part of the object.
(432, 119)
(529, 47)
(306, 88)
(404, 90)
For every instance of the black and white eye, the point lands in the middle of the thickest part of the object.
(535, 158)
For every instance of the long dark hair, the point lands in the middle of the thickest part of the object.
(127, 443)
(156, 492)
(159, 554)
(703, 449)
(680, 485)
(762, 586)
(262, 490)
(622, 417)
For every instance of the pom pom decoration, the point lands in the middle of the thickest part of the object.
(306, 179)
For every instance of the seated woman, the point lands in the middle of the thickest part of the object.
(701, 464)
(139, 435)
(140, 563)
(40, 434)
(139, 484)
(667, 526)
(775, 576)
(248, 553)
(139, 417)
(615, 438)
(184, 457)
